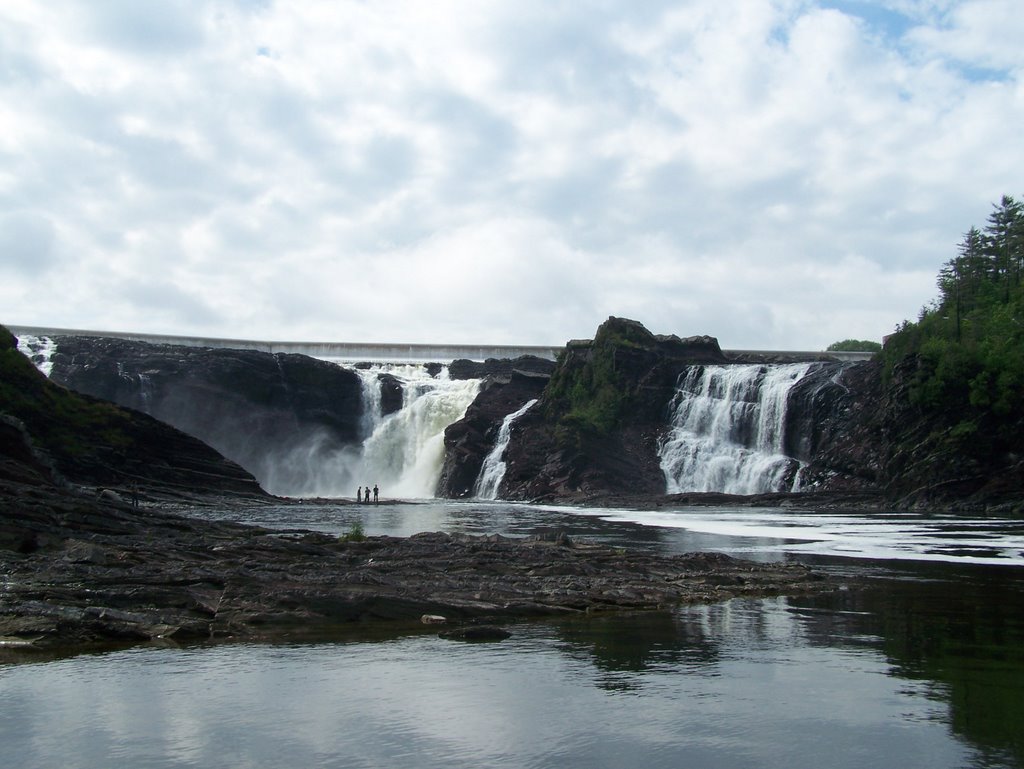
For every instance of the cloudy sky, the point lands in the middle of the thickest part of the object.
(780, 174)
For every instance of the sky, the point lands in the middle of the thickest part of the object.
(779, 174)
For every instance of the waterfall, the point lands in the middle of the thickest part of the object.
(493, 469)
(727, 430)
(405, 451)
(372, 416)
(39, 350)
(402, 453)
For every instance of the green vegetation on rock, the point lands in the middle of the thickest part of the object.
(63, 422)
(356, 533)
(854, 345)
(966, 350)
(589, 392)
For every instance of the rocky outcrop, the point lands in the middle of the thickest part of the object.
(78, 572)
(468, 441)
(272, 414)
(507, 385)
(598, 425)
(501, 369)
(831, 427)
(925, 462)
(63, 437)
(859, 431)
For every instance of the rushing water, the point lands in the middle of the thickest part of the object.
(401, 452)
(39, 350)
(405, 450)
(727, 430)
(492, 471)
(915, 663)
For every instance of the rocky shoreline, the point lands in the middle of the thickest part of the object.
(79, 571)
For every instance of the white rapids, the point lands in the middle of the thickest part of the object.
(402, 453)
(39, 350)
(727, 430)
(492, 472)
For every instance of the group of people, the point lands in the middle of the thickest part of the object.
(365, 498)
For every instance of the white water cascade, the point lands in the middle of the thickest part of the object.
(39, 350)
(492, 472)
(727, 430)
(403, 452)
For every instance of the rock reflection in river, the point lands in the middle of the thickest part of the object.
(753, 682)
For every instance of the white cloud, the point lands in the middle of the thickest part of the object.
(779, 174)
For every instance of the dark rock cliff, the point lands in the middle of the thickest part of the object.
(831, 426)
(273, 414)
(468, 441)
(596, 431)
(55, 436)
(858, 430)
(602, 415)
(923, 460)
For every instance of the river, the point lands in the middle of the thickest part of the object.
(917, 661)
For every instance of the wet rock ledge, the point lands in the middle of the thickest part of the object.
(83, 572)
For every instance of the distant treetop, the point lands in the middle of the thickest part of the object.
(854, 345)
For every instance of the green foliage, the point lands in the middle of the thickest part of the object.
(354, 534)
(65, 423)
(592, 395)
(968, 346)
(854, 345)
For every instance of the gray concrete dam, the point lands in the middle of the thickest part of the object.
(390, 352)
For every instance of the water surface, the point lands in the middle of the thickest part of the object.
(919, 664)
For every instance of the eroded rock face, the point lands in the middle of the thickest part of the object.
(272, 414)
(830, 425)
(468, 441)
(58, 436)
(598, 425)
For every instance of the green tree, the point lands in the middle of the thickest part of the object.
(968, 346)
(854, 345)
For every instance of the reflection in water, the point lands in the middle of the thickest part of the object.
(857, 678)
(918, 664)
(731, 686)
(959, 630)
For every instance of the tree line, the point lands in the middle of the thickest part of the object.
(968, 345)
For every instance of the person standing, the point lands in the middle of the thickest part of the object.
(359, 495)
(375, 493)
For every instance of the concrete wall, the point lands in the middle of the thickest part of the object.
(387, 352)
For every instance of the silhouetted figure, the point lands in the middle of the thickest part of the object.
(359, 494)
(375, 493)
(367, 500)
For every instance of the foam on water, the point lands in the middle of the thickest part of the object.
(876, 536)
